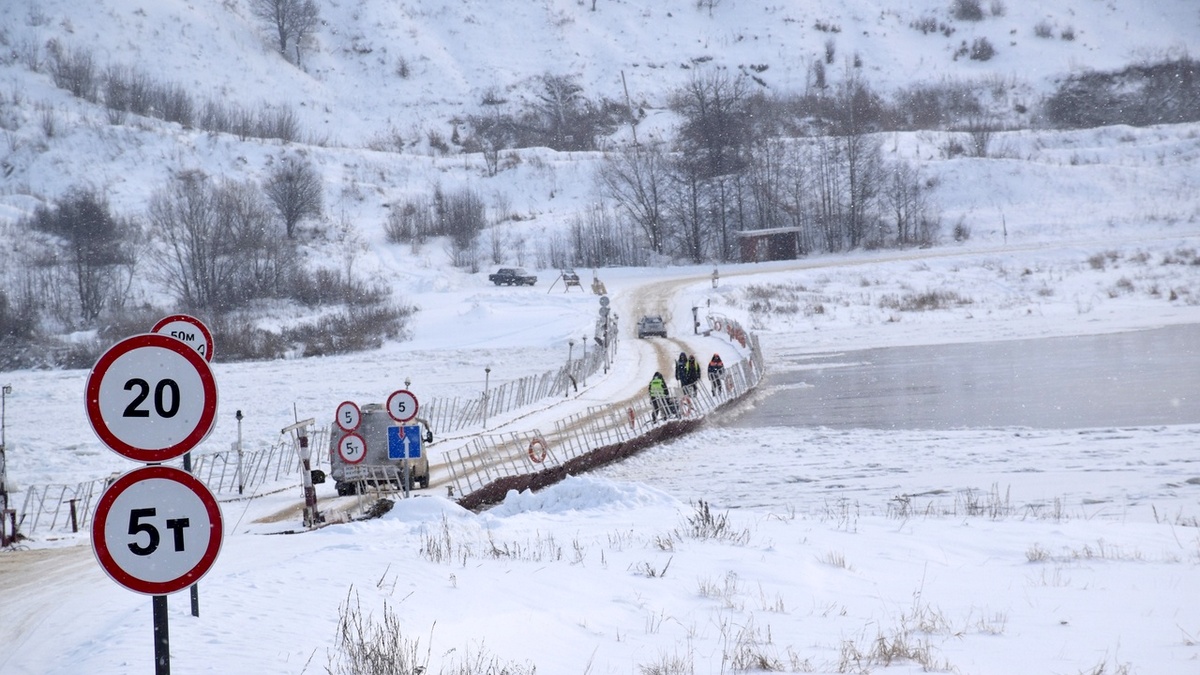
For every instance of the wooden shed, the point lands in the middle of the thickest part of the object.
(776, 243)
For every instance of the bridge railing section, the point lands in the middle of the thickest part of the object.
(491, 457)
(63, 508)
(452, 414)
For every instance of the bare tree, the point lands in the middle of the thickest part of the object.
(265, 257)
(18, 321)
(290, 20)
(561, 99)
(411, 221)
(462, 216)
(637, 178)
(716, 125)
(97, 249)
(857, 114)
(567, 120)
(74, 70)
(195, 263)
(295, 189)
(222, 247)
(906, 203)
(688, 207)
(981, 129)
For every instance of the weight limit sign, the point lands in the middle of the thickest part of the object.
(157, 530)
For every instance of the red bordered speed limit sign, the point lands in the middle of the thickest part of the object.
(347, 416)
(402, 405)
(151, 398)
(157, 530)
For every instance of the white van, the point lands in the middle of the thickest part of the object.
(372, 465)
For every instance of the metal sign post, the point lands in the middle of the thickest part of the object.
(4, 392)
(487, 373)
(195, 588)
(157, 529)
(5, 535)
(241, 476)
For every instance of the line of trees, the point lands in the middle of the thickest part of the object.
(460, 216)
(217, 246)
(730, 170)
(124, 90)
(558, 115)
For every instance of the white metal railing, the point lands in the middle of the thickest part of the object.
(68, 508)
(59, 507)
(490, 457)
(451, 414)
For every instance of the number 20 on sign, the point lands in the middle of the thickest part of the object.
(151, 398)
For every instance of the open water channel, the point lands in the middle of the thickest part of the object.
(1137, 378)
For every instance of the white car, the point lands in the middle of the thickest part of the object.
(651, 325)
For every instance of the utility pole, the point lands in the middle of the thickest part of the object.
(567, 383)
(5, 535)
(241, 476)
(487, 373)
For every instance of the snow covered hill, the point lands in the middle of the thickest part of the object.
(396, 75)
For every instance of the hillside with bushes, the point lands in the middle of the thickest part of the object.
(283, 178)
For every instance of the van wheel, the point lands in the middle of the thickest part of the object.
(424, 481)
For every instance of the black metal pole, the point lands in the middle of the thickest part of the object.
(195, 590)
(162, 638)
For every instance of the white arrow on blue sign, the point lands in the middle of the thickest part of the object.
(404, 442)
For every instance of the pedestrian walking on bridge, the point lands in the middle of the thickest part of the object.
(658, 397)
(716, 374)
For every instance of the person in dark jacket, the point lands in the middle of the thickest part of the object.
(681, 368)
(658, 396)
(691, 379)
(716, 374)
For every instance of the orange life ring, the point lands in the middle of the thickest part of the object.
(717, 326)
(538, 455)
(685, 406)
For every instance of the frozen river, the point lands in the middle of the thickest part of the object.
(1126, 379)
(1105, 425)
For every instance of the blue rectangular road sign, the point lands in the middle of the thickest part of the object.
(399, 437)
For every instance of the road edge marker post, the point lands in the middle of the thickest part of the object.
(312, 516)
